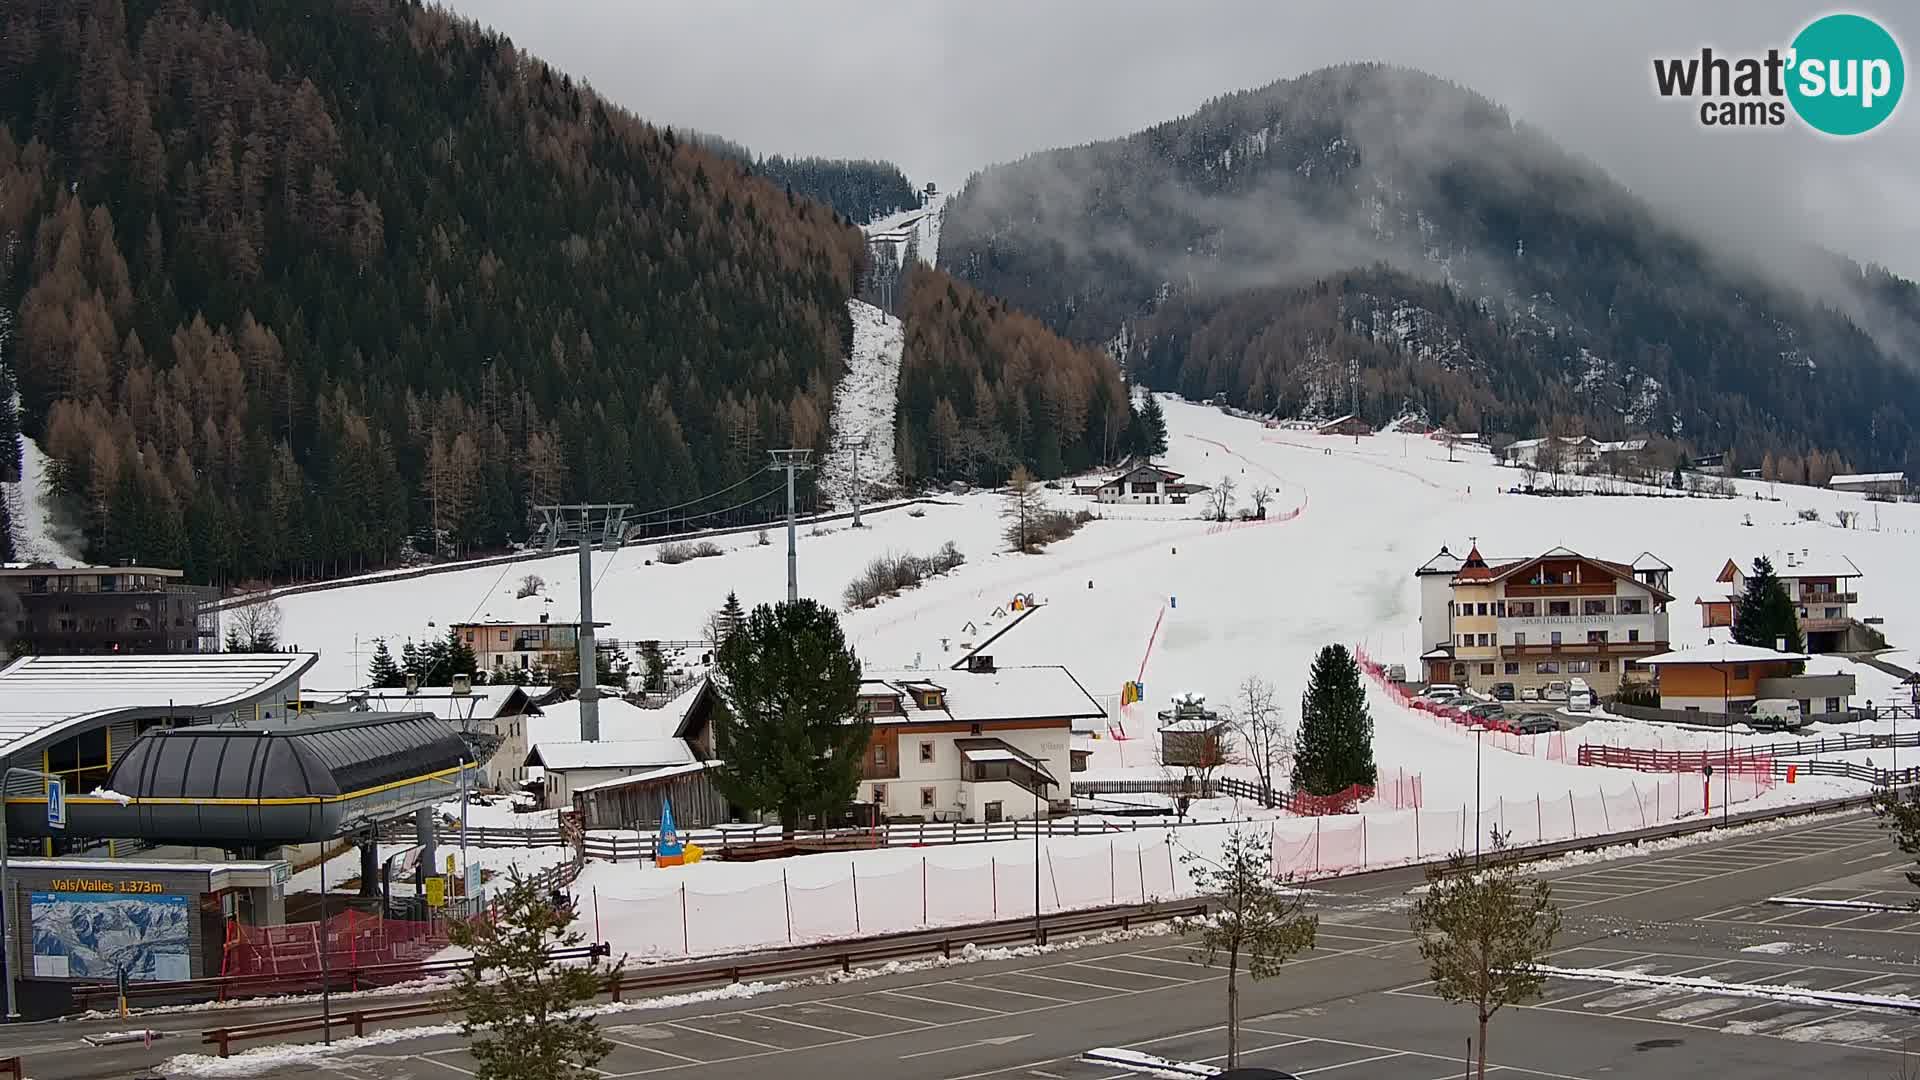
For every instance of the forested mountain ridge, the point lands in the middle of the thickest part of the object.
(859, 190)
(1473, 269)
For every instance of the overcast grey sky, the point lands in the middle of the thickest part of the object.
(944, 89)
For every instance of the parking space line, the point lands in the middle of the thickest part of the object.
(1346, 1064)
(1412, 1053)
(953, 1004)
(767, 1014)
(871, 1012)
(431, 1060)
(1125, 971)
(1865, 858)
(720, 1035)
(1063, 982)
(662, 1053)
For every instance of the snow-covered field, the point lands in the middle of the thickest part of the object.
(1153, 593)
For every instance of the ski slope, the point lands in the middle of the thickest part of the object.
(920, 225)
(1227, 601)
(863, 407)
(37, 536)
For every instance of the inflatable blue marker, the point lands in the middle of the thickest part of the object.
(1173, 601)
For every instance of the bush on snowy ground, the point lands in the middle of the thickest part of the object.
(679, 551)
(1047, 527)
(891, 574)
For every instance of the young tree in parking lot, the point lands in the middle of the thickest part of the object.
(1898, 812)
(1484, 927)
(1259, 921)
(517, 1008)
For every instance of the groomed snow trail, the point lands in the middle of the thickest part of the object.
(863, 407)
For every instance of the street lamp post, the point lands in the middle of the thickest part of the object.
(1039, 797)
(1479, 730)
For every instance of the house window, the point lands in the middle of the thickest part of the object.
(469, 637)
(1466, 640)
(1740, 671)
(1500, 609)
(1579, 667)
(926, 752)
(1482, 640)
(1560, 607)
(930, 700)
(880, 755)
(1482, 609)
(1596, 637)
(1547, 667)
(865, 707)
(1512, 668)
(1519, 637)
(1459, 671)
(1486, 669)
(1632, 605)
(1593, 607)
(1832, 612)
(926, 798)
(1606, 665)
(1633, 635)
(879, 793)
(1556, 637)
(503, 636)
(973, 729)
(1523, 609)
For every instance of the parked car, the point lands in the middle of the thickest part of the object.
(1503, 691)
(1530, 693)
(1536, 724)
(1555, 691)
(1439, 690)
(1487, 710)
(1775, 714)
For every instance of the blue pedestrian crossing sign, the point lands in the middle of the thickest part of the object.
(56, 803)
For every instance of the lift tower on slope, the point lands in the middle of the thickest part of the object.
(587, 524)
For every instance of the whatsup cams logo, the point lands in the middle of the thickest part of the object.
(1842, 75)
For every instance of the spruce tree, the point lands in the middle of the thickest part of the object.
(383, 672)
(460, 658)
(788, 732)
(1335, 749)
(1150, 429)
(412, 662)
(654, 665)
(6, 529)
(731, 616)
(1766, 613)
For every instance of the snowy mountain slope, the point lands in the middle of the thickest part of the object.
(863, 406)
(37, 537)
(918, 228)
(1227, 601)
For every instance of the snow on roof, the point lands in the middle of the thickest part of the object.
(619, 720)
(1009, 693)
(483, 703)
(1721, 653)
(1805, 563)
(614, 754)
(1647, 560)
(43, 696)
(1866, 478)
(650, 776)
(1444, 563)
(1198, 723)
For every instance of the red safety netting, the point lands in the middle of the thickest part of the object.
(350, 939)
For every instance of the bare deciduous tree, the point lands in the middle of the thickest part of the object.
(1261, 496)
(1222, 498)
(531, 585)
(1264, 733)
(254, 627)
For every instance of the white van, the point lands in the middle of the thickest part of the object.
(1776, 714)
(1579, 696)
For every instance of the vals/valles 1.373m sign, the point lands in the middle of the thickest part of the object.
(1842, 75)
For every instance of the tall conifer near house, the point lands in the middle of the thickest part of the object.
(383, 673)
(1335, 748)
(788, 732)
(1766, 613)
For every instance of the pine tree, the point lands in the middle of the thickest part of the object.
(383, 673)
(412, 662)
(460, 658)
(1766, 613)
(234, 642)
(788, 733)
(6, 530)
(1335, 749)
(1150, 429)
(731, 616)
(653, 664)
(518, 1009)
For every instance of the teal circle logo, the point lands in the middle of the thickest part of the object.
(1847, 74)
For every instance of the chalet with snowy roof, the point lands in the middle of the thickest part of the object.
(982, 743)
(1576, 452)
(1823, 587)
(1349, 424)
(1532, 621)
(1891, 485)
(1728, 678)
(1145, 483)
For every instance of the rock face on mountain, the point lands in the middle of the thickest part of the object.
(1378, 218)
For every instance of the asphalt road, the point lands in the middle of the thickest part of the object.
(1356, 1008)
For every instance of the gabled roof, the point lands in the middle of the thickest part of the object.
(1008, 693)
(1722, 653)
(44, 697)
(1647, 560)
(618, 754)
(1475, 567)
(1444, 563)
(1867, 478)
(1622, 571)
(1145, 467)
(1817, 564)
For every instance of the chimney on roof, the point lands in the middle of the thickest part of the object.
(543, 616)
(1779, 644)
(980, 662)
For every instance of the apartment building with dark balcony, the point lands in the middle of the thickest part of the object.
(1534, 621)
(501, 645)
(103, 610)
(1824, 588)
